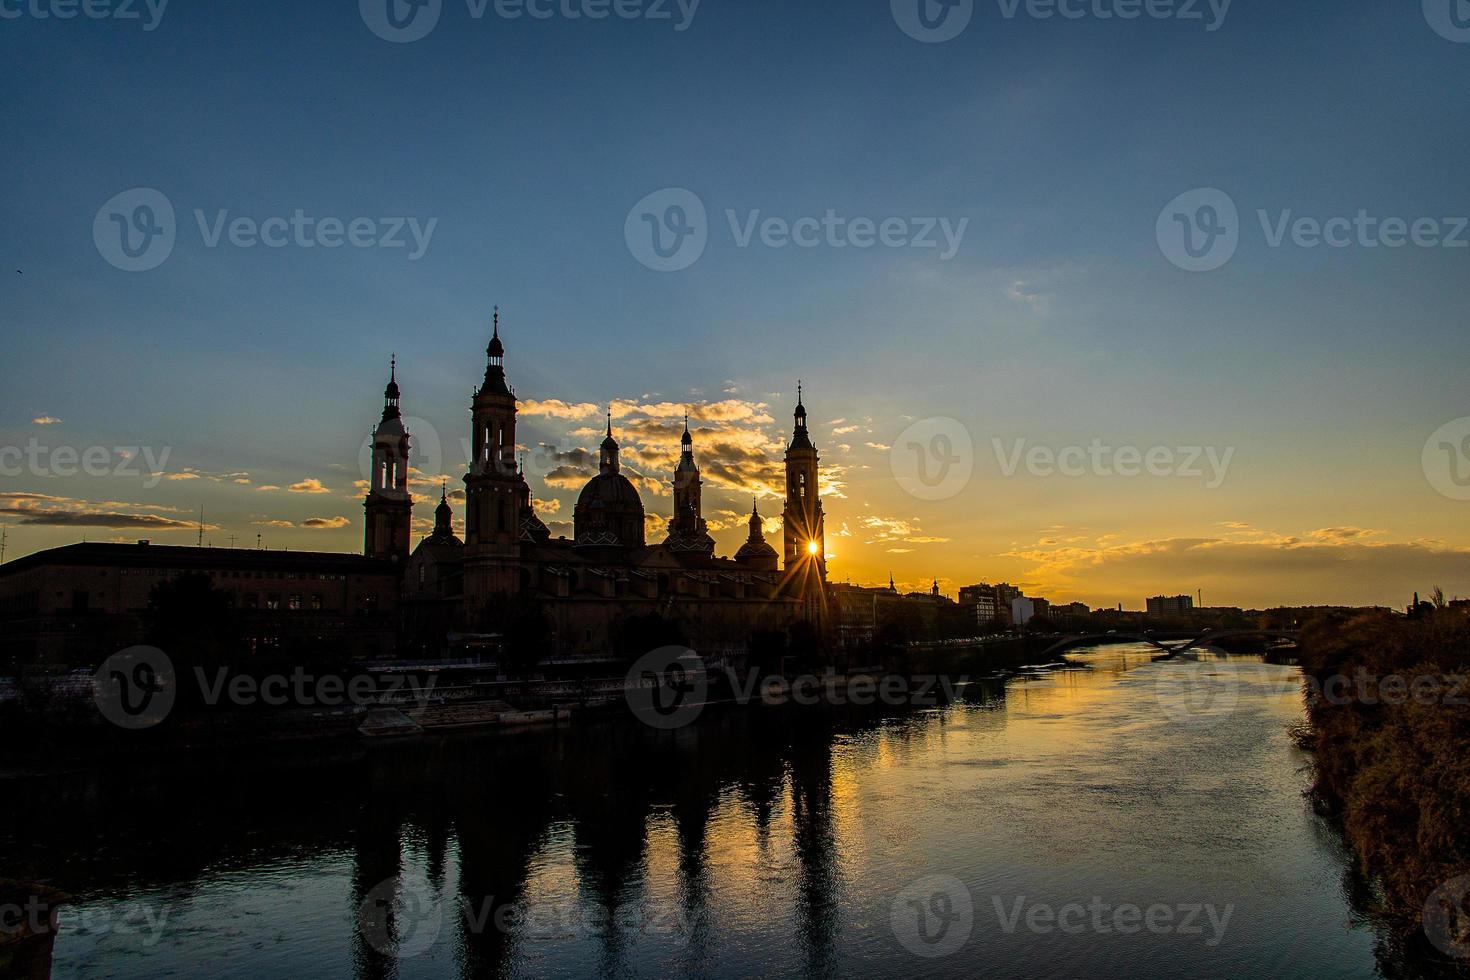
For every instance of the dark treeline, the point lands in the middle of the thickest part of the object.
(1388, 718)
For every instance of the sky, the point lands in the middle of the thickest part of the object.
(1045, 278)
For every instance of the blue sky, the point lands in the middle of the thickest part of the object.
(528, 141)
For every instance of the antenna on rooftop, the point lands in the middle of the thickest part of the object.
(201, 526)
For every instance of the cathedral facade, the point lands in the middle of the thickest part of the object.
(457, 593)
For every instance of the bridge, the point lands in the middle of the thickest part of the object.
(1172, 643)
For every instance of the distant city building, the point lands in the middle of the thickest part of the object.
(991, 604)
(1026, 608)
(1170, 607)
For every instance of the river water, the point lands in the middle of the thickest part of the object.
(1129, 819)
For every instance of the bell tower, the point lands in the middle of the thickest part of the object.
(688, 530)
(492, 500)
(389, 506)
(805, 555)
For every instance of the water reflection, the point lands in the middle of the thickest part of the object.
(754, 842)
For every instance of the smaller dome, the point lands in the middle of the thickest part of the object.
(755, 549)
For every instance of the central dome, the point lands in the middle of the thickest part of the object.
(609, 513)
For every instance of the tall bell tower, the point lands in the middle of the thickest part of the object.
(492, 500)
(805, 527)
(688, 530)
(389, 506)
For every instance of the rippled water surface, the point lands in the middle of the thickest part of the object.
(754, 842)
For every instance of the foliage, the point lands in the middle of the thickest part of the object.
(1394, 769)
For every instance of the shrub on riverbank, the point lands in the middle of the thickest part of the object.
(1388, 717)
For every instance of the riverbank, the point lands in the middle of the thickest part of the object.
(1388, 720)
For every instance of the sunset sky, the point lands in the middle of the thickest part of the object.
(1317, 373)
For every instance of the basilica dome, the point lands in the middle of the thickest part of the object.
(609, 512)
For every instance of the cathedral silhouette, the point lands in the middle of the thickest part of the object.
(606, 572)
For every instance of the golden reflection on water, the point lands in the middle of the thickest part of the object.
(775, 841)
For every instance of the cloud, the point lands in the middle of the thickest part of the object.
(267, 486)
(546, 505)
(47, 510)
(555, 408)
(843, 430)
(568, 477)
(186, 475)
(45, 420)
(1342, 534)
(878, 446)
(272, 524)
(317, 523)
(1328, 565)
(311, 485)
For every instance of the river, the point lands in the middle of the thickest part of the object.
(1126, 819)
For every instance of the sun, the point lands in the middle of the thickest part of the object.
(811, 547)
